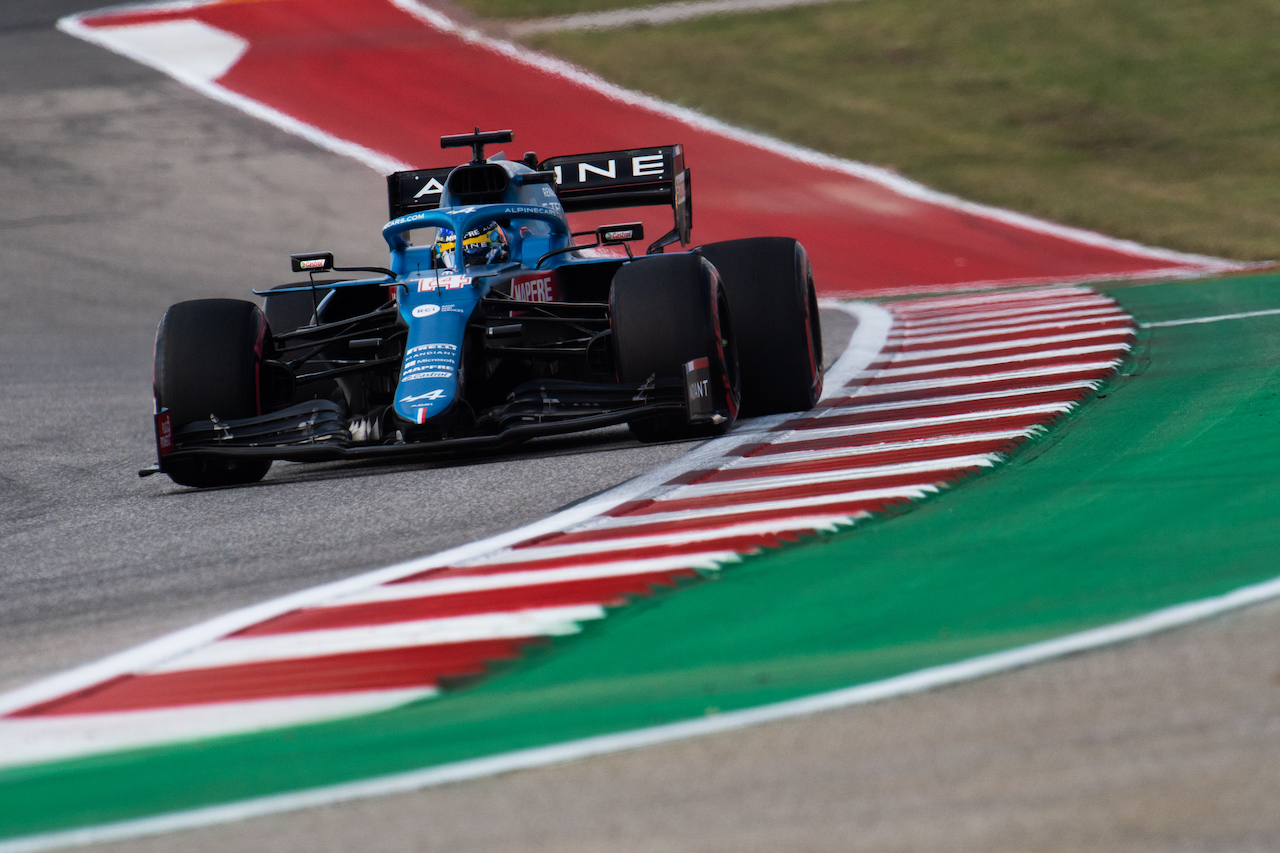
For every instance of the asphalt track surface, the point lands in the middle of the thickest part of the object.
(1167, 744)
(174, 197)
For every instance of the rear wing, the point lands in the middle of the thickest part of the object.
(633, 178)
(637, 177)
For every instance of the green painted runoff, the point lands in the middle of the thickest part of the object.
(1164, 489)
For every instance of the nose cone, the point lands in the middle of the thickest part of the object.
(436, 310)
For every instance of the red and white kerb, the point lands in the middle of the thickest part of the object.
(962, 382)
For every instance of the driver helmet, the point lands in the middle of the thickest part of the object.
(485, 244)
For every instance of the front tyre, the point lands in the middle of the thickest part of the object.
(775, 316)
(209, 362)
(665, 311)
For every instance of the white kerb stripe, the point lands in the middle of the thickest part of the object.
(623, 543)
(550, 621)
(1111, 318)
(952, 399)
(911, 385)
(814, 429)
(909, 369)
(919, 321)
(755, 484)
(1013, 319)
(26, 740)
(1022, 343)
(507, 580)
(912, 492)
(979, 301)
(879, 448)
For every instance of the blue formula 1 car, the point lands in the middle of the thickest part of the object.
(496, 326)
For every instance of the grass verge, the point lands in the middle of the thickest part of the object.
(1154, 122)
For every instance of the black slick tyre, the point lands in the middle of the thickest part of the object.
(209, 362)
(667, 310)
(775, 317)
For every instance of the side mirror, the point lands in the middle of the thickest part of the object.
(312, 262)
(612, 235)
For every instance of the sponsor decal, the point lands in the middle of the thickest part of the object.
(411, 217)
(313, 264)
(430, 347)
(425, 311)
(437, 394)
(697, 385)
(427, 374)
(626, 234)
(603, 170)
(432, 187)
(649, 164)
(537, 287)
(609, 171)
(164, 432)
(444, 282)
(457, 309)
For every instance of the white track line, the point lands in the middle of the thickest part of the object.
(560, 753)
(665, 13)
(1215, 319)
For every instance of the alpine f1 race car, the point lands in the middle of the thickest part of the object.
(503, 324)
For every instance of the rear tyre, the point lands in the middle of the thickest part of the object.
(668, 310)
(775, 316)
(209, 362)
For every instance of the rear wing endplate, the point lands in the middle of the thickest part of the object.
(409, 192)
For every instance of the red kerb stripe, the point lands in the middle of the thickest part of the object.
(384, 669)
(605, 591)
